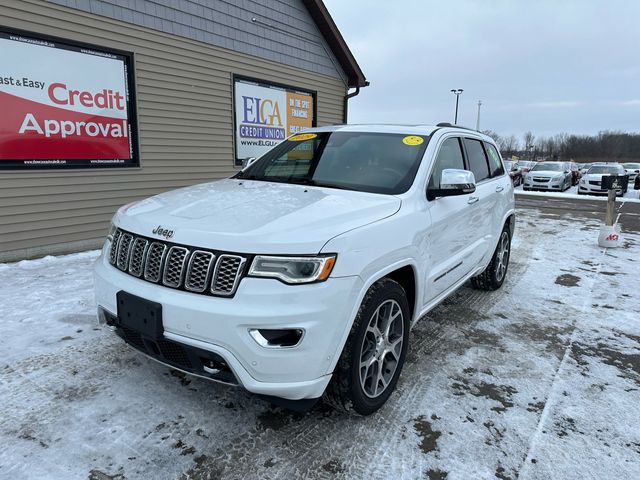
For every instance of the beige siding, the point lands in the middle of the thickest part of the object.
(184, 121)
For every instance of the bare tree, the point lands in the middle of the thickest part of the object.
(493, 135)
(528, 139)
(509, 145)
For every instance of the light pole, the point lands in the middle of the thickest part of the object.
(457, 92)
(478, 119)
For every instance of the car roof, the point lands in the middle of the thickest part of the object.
(409, 129)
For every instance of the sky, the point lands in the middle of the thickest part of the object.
(548, 66)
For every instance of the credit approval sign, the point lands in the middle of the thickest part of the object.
(63, 105)
(267, 113)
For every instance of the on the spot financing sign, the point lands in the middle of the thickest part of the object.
(63, 105)
(266, 114)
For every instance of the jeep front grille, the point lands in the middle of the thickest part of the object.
(198, 271)
(177, 266)
(136, 262)
(174, 266)
(153, 263)
(226, 274)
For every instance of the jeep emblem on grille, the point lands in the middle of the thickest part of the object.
(163, 232)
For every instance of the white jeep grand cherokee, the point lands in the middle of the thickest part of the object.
(303, 274)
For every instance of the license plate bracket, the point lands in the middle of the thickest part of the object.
(140, 314)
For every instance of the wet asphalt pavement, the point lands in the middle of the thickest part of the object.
(581, 208)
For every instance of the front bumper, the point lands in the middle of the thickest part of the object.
(595, 190)
(221, 326)
(541, 185)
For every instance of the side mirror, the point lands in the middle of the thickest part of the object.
(246, 162)
(453, 182)
(514, 169)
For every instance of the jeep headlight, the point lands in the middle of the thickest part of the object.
(293, 270)
(112, 230)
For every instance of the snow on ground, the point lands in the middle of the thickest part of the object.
(538, 380)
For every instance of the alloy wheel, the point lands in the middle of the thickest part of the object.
(502, 256)
(381, 348)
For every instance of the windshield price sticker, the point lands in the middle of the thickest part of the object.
(412, 140)
(302, 136)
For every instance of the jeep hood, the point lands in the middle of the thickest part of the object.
(255, 217)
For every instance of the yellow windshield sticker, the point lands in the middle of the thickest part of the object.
(412, 140)
(302, 136)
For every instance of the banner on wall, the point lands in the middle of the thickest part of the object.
(266, 113)
(64, 105)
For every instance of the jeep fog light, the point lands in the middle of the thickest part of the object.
(293, 270)
(277, 338)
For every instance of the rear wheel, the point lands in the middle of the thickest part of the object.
(493, 276)
(374, 354)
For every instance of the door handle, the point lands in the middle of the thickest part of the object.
(499, 189)
(473, 200)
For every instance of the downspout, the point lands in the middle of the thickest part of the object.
(345, 106)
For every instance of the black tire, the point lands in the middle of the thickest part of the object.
(490, 279)
(345, 390)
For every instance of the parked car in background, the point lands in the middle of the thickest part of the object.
(548, 176)
(515, 172)
(526, 165)
(591, 182)
(633, 170)
(584, 167)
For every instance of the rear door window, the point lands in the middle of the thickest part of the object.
(495, 162)
(477, 159)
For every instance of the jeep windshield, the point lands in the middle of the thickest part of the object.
(363, 161)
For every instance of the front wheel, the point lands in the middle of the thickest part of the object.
(372, 359)
(493, 276)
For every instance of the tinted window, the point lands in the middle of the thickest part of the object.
(363, 161)
(494, 160)
(477, 159)
(607, 169)
(449, 156)
(548, 167)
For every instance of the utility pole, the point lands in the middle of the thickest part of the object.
(457, 92)
(478, 119)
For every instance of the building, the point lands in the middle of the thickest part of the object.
(108, 101)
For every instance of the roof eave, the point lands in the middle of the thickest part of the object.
(333, 37)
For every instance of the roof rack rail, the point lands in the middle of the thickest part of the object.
(451, 125)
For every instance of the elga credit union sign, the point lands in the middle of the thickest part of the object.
(266, 114)
(64, 105)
